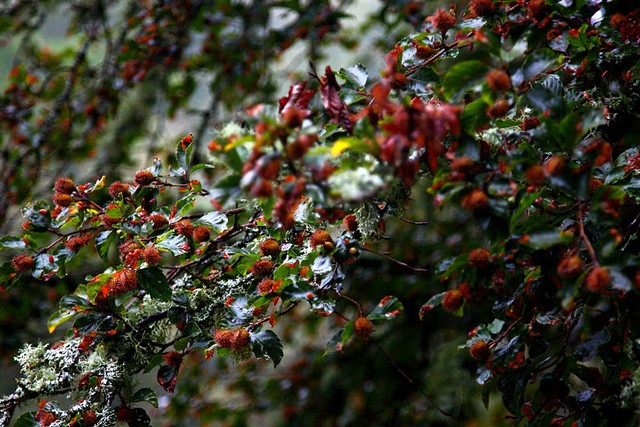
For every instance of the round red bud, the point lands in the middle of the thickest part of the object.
(452, 300)
(498, 80)
(64, 186)
(22, 263)
(570, 267)
(270, 247)
(475, 200)
(144, 177)
(363, 327)
(597, 281)
(479, 350)
(62, 199)
(479, 258)
(118, 189)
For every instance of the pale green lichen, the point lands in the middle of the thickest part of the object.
(355, 184)
(368, 218)
(47, 369)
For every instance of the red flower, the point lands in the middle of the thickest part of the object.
(144, 177)
(363, 327)
(321, 237)
(64, 186)
(479, 350)
(262, 268)
(443, 21)
(479, 258)
(118, 189)
(452, 300)
(270, 247)
(498, 80)
(23, 263)
(475, 200)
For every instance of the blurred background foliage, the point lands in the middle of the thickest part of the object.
(92, 88)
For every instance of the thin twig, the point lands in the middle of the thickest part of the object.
(409, 221)
(410, 380)
(583, 236)
(404, 264)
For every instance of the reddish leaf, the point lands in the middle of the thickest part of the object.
(167, 377)
(335, 106)
(297, 98)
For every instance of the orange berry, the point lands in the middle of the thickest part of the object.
(442, 20)
(151, 255)
(530, 123)
(267, 286)
(482, 7)
(127, 247)
(535, 175)
(500, 108)
(240, 339)
(350, 223)
(554, 166)
(173, 358)
(75, 243)
(158, 220)
(184, 227)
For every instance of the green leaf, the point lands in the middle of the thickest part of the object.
(462, 77)
(214, 219)
(355, 76)
(145, 395)
(172, 242)
(183, 155)
(334, 343)
(27, 420)
(432, 303)
(266, 344)
(45, 264)
(39, 221)
(58, 318)
(350, 143)
(104, 241)
(282, 272)
(525, 203)
(474, 116)
(546, 239)
(10, 242)
(538, 62)
(167, 377)
(153, 281)
(388, 308)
